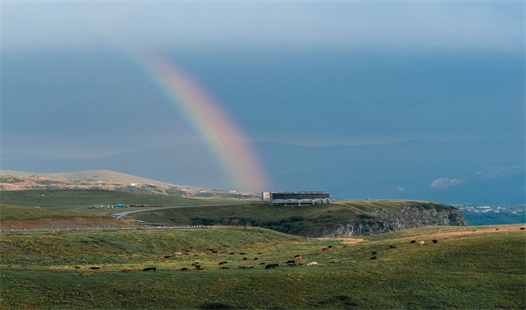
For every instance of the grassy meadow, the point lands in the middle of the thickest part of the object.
(80, 200)
(291, 219)
(469, 268)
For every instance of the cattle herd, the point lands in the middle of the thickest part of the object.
(296, 261)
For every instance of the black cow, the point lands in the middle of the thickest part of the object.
(271, 266)
(184, 269)
(522, 228)
(94, 268)
(413, 241)
(374, 252)
(374, 257)
(150, 269)
(435, 241)
(290, 262)
(222, 263)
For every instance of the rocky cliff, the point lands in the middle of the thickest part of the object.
(382, 220)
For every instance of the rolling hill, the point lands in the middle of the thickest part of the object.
(467, 268)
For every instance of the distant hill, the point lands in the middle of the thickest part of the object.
(87, 176)
(105, 180)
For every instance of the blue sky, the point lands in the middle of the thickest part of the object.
(309, 73)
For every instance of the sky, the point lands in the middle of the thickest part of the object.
(75, 79)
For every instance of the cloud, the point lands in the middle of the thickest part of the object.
(357, 25)
(444, 183)
(496, 172)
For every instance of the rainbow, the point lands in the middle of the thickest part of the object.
(210, 121)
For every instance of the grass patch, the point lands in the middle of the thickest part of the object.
(466, 269)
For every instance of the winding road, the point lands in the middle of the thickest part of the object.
(120, 215)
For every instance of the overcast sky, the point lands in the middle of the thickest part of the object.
(312, 73)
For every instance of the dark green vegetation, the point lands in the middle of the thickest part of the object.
(290, 219)
(469, 268)
(14, 213)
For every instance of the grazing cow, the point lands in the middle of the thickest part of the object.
(260, 253)
(231, 253)
(77, 267)
(297, 257)
(222, 263)
(373, 257)
(496, 229)
(246, 267)
(290, 262)
(167, 256)
(301, 263)
(335, 261)
(128, 270)
(255, 258)
(522, 228)
(150, 269)
(271, 266)
(421, 242)
(413, 241)
(94, 268)
(184, 269)
(435, 241)
(241, 253)
(325, 249)
(195, 264)
(199, 268)
(330, 246)
(244, 258)
(177, 253)
(262, 263)
(313, 264)
(224, 267)
(196, 255)
(374, 252)
(391, 246)
(292, 265)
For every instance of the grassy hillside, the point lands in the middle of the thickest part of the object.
(468, 268)
(16, 217)
(80, 200)
(289, 219)
(92, 176)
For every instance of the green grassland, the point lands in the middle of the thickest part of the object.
(469, 268)
(80, 200)
(290, 219)
(16, 213)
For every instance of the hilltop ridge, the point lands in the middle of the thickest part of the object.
(105, 180)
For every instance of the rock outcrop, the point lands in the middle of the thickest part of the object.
(383, 220)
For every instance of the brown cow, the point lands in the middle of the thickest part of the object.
(129, 270)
